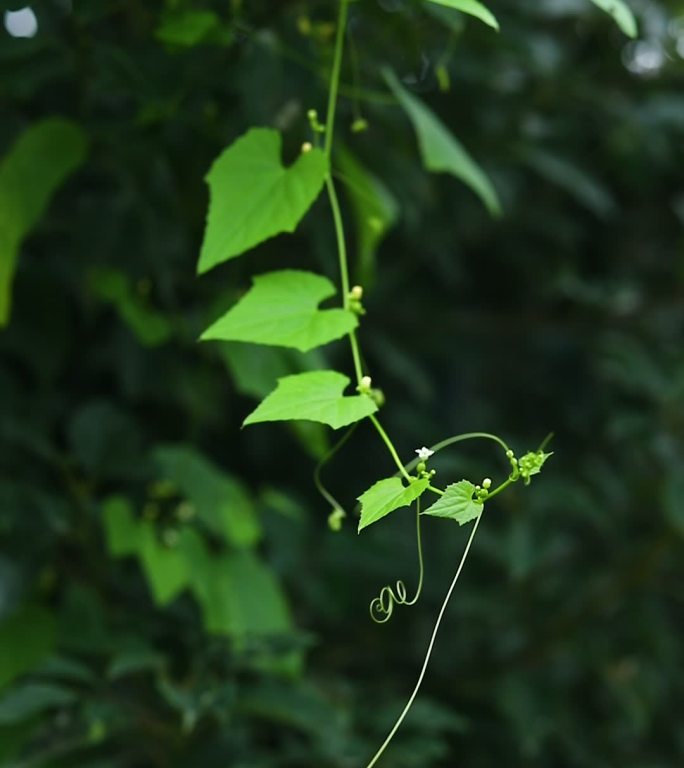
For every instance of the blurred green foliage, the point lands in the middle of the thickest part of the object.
(170, 593)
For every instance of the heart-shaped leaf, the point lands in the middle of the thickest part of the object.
(282, 309)
(313, 396)
(457, 503)
(386, 496)
(440, 150)
(253, 196)
(472, 8)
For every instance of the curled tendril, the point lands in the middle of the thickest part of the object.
(381, 607)
(338, 511)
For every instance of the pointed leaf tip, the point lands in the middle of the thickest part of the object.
(622, 14)
(472, 8)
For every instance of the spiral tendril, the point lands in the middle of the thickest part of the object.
(381, 607)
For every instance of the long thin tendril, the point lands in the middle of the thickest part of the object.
(325, 493)
(381, 608)
(431, 645)
(457, 439)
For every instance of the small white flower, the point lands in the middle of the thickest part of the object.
(424, 453)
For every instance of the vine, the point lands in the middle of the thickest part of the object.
(253, 198)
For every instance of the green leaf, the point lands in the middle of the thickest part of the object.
(219, 499)
(440, 150)
(386, 496)
(255, 368)
(166, 568)
(620, 11)
(133, 661)
(25, 701)
(151, 327)
(26, 637)
(281, 309)
(457, 503)
(472, 8)
(239, 594)
(314, 396)
(254, 197)
(375, 210)
(567, 175)
(121, 527)
(30, 173)
(189, 28)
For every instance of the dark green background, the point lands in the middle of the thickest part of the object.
(563, 644)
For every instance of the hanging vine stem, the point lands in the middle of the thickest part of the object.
(428, 653)
(338, 509)
(381, 607)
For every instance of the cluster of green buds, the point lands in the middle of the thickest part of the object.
(482, 491)
(366, 388)
(316, 125)
(531, 464)
(526, 466)
(354, 300)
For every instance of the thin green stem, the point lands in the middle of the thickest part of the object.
(319, 468)
(335, 77)
(500, 488)
(431, 645)
(458, 439)
(390, 446)
(435, 490)
(344, 268)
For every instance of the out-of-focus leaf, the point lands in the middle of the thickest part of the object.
(457, 503)
(259, 606)
(121, 527)
(36, 165)
(281, 309)
(132, 661)
(440, 150)
(375, 210)
(25, 701)
(26, 637)
(188, 28)
(387, 495)
(150, 327)
(472, 8)
(583, 187)
(238, 593)
(315, 396)
(622, 14)
(165, 567)
(219, 499)
(254, 197)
